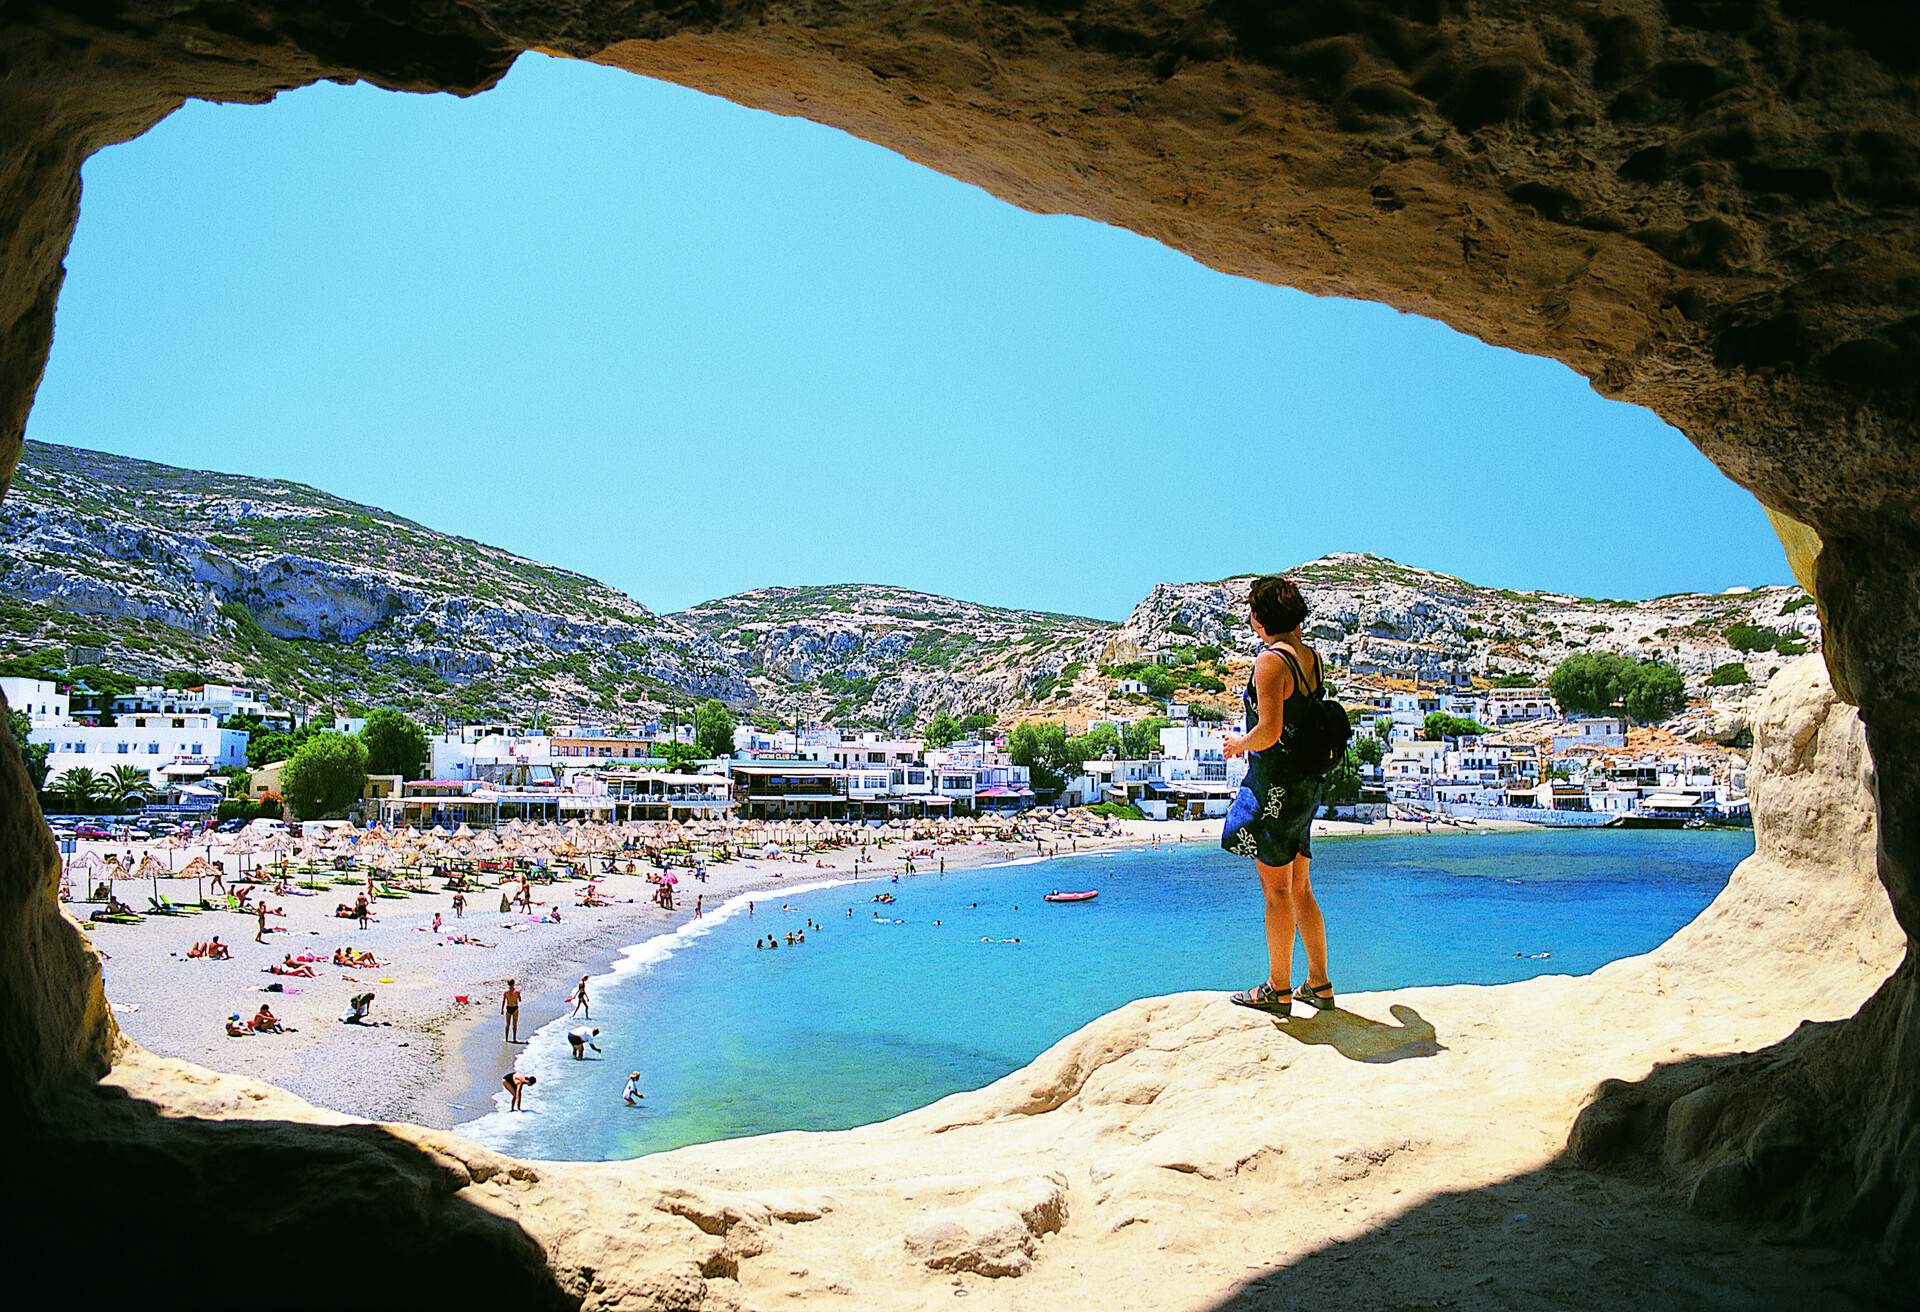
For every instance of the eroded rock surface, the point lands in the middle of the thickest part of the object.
(1704, 207)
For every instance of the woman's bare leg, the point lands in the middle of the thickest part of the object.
(1305, 912)
(1275, 885)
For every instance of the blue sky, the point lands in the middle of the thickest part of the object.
(690, 348)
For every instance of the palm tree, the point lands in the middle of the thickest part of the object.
(128, 783)
(78, 785)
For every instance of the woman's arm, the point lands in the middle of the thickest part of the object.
(1271, 684)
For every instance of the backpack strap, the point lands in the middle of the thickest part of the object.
(1300, 675)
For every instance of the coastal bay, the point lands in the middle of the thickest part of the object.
(430, 1058)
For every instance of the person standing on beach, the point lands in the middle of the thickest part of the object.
(459, 906)
(631, 1093)
(260, 934)
(510, 1008)
(361, 909)
(698, 900)
(579, 999)
(516, 1084)
(1286, 675)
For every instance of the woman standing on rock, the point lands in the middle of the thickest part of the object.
(1272, 817)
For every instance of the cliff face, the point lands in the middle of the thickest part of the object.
(1707, 208)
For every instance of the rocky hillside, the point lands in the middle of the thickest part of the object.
(1374, 617)
(322, 600)
(864, 651)
(160, 572)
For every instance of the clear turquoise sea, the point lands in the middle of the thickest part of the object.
(870, 1019)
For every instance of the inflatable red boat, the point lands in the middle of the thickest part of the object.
(1086, 896)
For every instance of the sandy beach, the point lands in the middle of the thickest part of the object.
(429, 1057)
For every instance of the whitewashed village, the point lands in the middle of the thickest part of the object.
(1446, 755)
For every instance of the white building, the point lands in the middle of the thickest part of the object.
(168, 747)
(495, 757)
(222, 701)
(40, 700)
(1591, 731)
(1512, 705)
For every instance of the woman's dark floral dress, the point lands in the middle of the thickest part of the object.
(1282, 828)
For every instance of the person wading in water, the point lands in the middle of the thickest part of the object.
(1277, 835)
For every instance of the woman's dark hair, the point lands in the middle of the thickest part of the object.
(1277, 603)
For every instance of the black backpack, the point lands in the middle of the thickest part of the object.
(1321, 738)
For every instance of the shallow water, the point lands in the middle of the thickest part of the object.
(869, 1019)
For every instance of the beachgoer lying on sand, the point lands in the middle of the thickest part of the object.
(237, 1028)
(197, 950)
(469, 941)
(292, 967)
(515, 1084)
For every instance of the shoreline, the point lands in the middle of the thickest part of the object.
(429, 1059)
(476, 1056)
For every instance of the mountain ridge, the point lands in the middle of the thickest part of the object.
(329, 602)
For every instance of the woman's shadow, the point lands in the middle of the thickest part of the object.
(1359, 1039)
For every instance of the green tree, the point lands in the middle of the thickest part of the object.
(1657, 692)
(713, 729)
(942, 731)
(1599, 682)
(1099, 743)
(979, 722)
(272, 745)
(1045, 750)
(80, 787)
(1590, 681)
(325, 776)
(1369, 749)
(1439, 724)
(32, 755)
(395, 744)
(675, 756)
(1342, 782)
(126, 783)
(1142, 738)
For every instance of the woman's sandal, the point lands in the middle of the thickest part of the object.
(1264, 997)
(1319, 996)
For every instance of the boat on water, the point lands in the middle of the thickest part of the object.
(1084, 895)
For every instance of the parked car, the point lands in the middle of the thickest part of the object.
(91, 830)
(231, 825)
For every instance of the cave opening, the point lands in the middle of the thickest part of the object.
(1785, 371)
